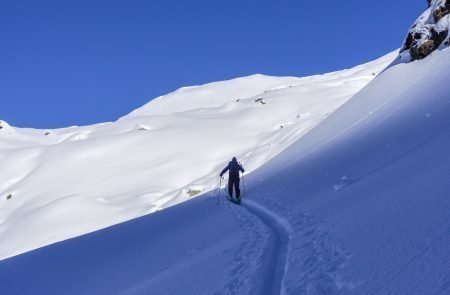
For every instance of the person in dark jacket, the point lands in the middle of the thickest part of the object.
(233, 177)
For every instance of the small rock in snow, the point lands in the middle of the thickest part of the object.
(142, 127)
(260, 100)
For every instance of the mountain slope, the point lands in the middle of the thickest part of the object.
(358, 205)
(372, 178)
(58, 184)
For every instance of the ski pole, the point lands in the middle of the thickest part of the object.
(220, 184)
(243, 179)
(243, 182)
(218, 195)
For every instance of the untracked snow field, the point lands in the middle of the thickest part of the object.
(350, 199)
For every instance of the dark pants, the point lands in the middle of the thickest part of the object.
(234, 181)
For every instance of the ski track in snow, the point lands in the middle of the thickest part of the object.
(281, 232)
(316, 261)
(274, 246)
(267, 247)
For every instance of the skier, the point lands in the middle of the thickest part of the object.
(233, 177)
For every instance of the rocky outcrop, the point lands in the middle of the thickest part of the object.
(429, 32)
(5, 129)
(441, 11)
(419, 52)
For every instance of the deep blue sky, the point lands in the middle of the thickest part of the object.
(78, 62)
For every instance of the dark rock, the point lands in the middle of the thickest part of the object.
(441, 11)
(429, 3)
(408, 42)
(422, 51)
(8, 197)
(260, 100)
(438, 38)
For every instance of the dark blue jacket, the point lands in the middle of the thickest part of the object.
(234, 167)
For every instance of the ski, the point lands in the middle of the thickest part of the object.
(234, 201)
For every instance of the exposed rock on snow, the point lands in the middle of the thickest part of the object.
(260, 100)
(142, 127)
(428, 32)
(5, 127)
(440, 12)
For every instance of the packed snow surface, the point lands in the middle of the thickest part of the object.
(58, 184)
(357, 205)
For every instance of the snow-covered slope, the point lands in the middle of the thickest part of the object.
(367, 190)
(58, 184)
(358, 205)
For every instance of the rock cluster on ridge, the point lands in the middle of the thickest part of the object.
(429, 32)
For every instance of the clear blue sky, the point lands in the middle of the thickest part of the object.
(78, 62)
